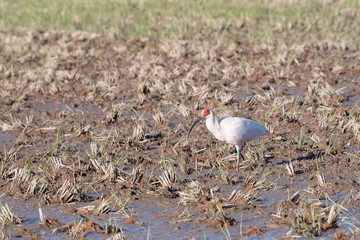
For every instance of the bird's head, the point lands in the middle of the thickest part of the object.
(205, 112)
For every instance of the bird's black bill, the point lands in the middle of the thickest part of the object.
(192, 126)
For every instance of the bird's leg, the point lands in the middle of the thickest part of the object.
(237, 160)
(238, 154)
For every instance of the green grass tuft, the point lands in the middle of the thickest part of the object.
(250, 21)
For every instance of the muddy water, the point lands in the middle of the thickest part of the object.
(166, 219)
(155, 219)
(5, 139)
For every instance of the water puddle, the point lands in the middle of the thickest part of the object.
(6, 139)
(68, 108)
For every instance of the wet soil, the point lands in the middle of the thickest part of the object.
(87, 118)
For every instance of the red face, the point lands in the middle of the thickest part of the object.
(205, 112)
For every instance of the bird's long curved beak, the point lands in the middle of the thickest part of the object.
(192, 126)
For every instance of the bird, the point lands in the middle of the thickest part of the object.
(233, 130)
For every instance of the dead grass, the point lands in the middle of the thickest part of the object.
(89, 114)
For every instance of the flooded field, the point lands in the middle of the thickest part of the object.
(93, 137)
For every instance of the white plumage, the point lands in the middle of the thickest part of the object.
(233, 130)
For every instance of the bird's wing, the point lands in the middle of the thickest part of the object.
(239, 130)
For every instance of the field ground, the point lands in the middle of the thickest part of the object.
(95, 110)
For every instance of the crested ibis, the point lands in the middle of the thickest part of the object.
(233, 130)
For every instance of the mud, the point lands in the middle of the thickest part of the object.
(89, 118)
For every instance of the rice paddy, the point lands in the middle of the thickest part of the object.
(97, 101)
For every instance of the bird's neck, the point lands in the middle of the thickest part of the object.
(213, 125)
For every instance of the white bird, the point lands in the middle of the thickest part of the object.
(233, 130)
